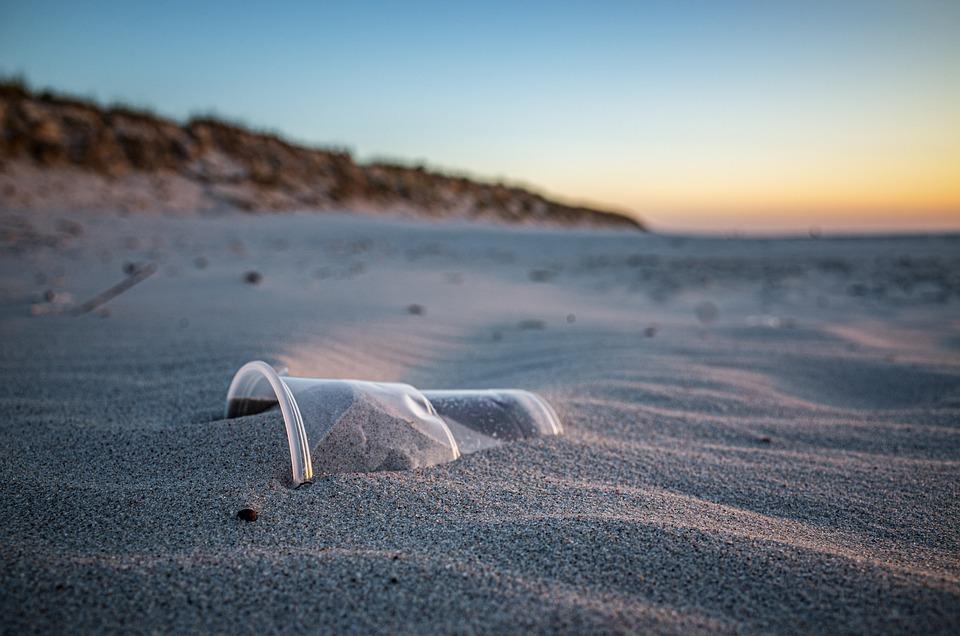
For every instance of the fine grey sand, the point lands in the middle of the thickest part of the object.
(760, 435)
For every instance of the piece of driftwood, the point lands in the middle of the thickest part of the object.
(137, 276)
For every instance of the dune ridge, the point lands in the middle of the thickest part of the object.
(63, 153)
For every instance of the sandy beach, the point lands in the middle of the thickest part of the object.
(761, 435)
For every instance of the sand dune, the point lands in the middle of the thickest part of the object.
(66, 153)
(761, 435)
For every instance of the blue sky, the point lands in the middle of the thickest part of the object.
(705, 115)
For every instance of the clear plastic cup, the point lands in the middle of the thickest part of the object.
(353, 425)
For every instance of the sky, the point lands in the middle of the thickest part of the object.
(693, 115)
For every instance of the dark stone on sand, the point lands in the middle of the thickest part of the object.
(253, 277)
(71, 228)
(247, 514)
(416, 310)
(571, 318)
(650, 332)
(706, 312)
(765, 440)
(541, 275)
(130, 268)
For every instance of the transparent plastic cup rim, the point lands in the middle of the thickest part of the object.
(252, 372)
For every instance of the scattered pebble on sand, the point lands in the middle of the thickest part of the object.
(247, 514)
(253, 277)
(416, 310)
(71, 228)
(57, 298)
(541, 275)
(706, 312)
(650, 332)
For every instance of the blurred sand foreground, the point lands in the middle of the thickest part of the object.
(761, 435)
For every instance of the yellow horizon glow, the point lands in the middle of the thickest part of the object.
(892, 189)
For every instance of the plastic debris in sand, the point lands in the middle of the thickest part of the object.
(336, 426)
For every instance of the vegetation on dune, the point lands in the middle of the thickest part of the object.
(262, 170)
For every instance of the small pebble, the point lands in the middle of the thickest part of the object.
(571, 318)
(541, 275)
(130, 268)
(57, 298)
(253, 277)
(706, 312)
(650, 332)
(765, 440)
(416, 310)
(248, 514)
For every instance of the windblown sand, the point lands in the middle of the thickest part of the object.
(761, 435)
